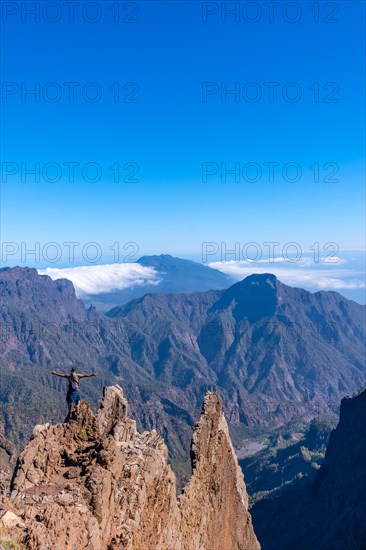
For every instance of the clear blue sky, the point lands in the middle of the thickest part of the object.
(169, 132)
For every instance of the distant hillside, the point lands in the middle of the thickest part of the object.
(294, 458)
(176, 276)
(329, 513)
(276, 352)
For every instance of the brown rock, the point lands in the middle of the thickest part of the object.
(98, 484)
(217, 487)
(9, 520)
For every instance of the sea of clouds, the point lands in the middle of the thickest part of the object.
(101, 279)
(304, 273)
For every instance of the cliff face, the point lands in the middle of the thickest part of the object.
(38, 294)
(340, 486)
(330, 514)
(214, 505)
(99, 484)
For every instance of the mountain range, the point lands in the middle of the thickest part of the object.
(278, 356)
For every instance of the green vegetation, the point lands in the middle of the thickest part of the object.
(183, 472)
(8, 544)
(287, 461)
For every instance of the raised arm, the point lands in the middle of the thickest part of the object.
(59, 374)
(87, 375)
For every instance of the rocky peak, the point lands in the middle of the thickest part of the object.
(254, 297)
(99, 484)
(217, 487)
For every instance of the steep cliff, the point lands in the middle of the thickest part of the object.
(214, 505)
(99, 484)
(330, 514)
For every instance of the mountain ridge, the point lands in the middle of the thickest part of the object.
(168, 350)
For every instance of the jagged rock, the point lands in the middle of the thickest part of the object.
(217, 487)
(98, 484)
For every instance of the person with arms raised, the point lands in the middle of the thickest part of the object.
(73, 393)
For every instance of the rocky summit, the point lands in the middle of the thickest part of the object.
(97, 484)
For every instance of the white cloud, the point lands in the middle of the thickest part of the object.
(330, 278)
(99, 279)
(304, 261)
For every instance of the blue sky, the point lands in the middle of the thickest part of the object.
(164, 58)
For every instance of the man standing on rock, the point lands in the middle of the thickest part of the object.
(73, 394)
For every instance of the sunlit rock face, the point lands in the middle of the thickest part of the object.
(97, 483)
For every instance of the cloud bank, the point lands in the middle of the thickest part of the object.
(100, 279)
(300, 274)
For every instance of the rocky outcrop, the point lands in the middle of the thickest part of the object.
(217, 487)
(98, 484)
